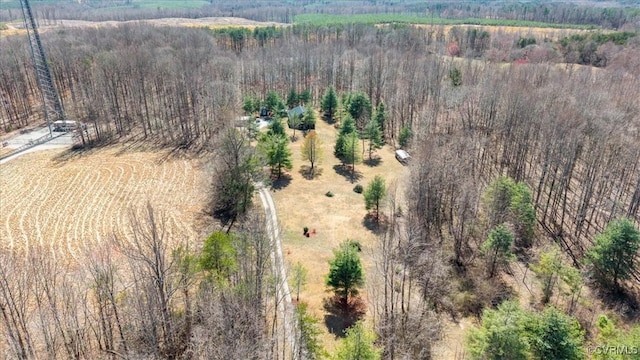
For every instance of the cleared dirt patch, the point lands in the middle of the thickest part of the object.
(68, 205)
(303, 202)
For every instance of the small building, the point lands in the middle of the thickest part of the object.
(296, 111)
(65, 125)
(402, 156)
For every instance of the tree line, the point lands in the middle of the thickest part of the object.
(613, 16)
(123, 79)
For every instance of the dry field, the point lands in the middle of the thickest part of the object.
(68, 205)
(210, 22)
(539, 33)
(302, 202)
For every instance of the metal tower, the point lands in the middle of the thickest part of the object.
(51, 99)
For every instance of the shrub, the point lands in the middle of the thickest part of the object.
(329, 194)
(358, 188)
(355, 244)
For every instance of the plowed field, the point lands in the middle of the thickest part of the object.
(68, 205)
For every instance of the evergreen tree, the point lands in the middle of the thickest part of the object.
(275, 104)
(292, 98)
(351, 154)
(329, 103)
(359, 107)
(501, 334)
(509, 332)
(276, 128)
(308, 334)
(548, 269)
(305, 97)
(375, 194)
(348, 127)
(618, 338)
(373, 134)
(614, 254)
(250, 105)
(405, 136)
(508, 201)
(309, 119)
(523, 215)
(455, 76)
(498, 248)
(277, 152)
(345, 272)
(554, 335)
(359, 344)
(218, 256)
(381, 118)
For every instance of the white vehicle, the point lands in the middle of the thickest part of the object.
(403, 156)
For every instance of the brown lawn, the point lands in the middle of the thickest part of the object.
(335, 219)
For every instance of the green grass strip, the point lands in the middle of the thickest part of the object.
(373, 19)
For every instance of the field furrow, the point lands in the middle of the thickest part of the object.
(74, 206)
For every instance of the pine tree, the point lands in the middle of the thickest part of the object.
(359, 344)
(381, 118)
(375, 194)
(498, 248)
(348, 127)
(329, 103)
(351, 153)
(292, 98)
(277, 153)
(614, 254)
(309, 119)
(345, 272)
(373, 134)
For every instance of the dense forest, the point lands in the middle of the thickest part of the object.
(536, 131)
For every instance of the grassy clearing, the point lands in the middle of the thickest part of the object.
(302, 202)
(170, 4)
(372, 19)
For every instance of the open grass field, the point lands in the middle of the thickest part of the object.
(69, 204)
(372, 19)
(302, 202)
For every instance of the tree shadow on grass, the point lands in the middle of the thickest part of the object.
(373, 162)
(377, 226)
(329, 120)
(283, 182)
(78, 150)
(340, 316)
(346, 172)
(305, 171)
(622, 301)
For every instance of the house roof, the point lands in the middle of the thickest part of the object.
(296, 111)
